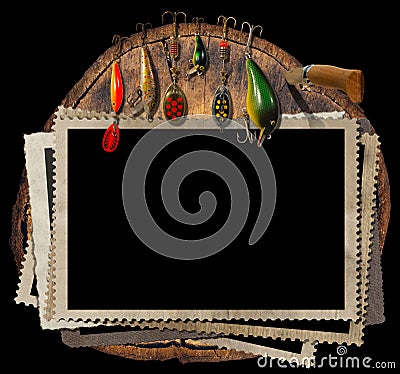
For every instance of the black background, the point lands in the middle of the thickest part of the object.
(47, 49)
(103, 268)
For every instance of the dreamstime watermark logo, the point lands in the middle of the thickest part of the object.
(134, 197)
(340, 360)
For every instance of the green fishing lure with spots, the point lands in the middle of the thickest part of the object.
(262, 103)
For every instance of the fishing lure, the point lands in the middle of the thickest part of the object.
(111, 138)
(221, 106)
(174, 102)
(116, 87)
(262, 103)
(199, 62)
(112, 135)
(147, 91)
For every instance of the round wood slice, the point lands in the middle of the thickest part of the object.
(92, 92)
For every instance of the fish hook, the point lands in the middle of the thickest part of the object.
(118, 40)
(144, 30)
(197, 21)
(174, 21)
(247, 50)
(249, 136)
(224, 25)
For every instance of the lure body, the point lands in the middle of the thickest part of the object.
(222, 105)
(116, 89)
(175, 104)
(111, 138)
(199, 60)
(262, 103)
(148, 86)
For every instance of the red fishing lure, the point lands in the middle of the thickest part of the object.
(111, 138)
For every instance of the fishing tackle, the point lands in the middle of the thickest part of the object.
(262, 103)
(174, 103)
(250, 137)
(111, 138)
(116, 87)
(147, 92)
(112, 135)
(221, 106)
(199, 62)
(173, 49)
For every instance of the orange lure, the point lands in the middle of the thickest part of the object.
(116, 89)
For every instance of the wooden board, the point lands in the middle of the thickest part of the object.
(92, 93)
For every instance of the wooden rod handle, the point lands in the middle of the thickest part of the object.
(349, 81)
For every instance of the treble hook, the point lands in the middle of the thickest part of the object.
(118, 40)
(144, 29)
(224, 25)
(247, 50)
(174, 23)
(251, 137)
(197, 20)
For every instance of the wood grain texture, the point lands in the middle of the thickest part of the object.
(92, 92)
(181, 351)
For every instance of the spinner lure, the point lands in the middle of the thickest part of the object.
(112, 135)
(174, 102)
(147, 92)
(221, 106)
(262, 103)
(199, 62)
